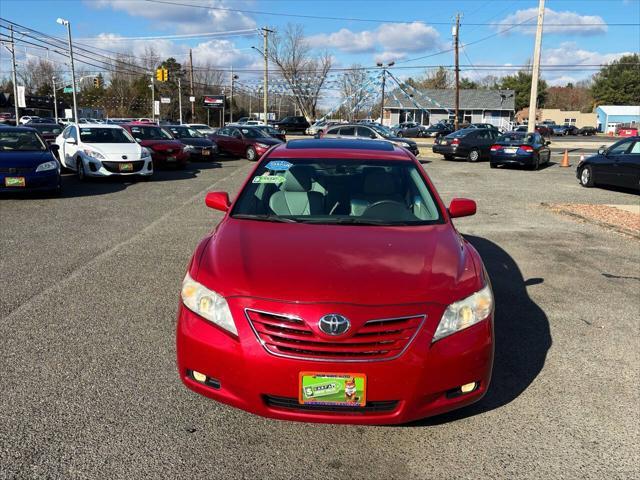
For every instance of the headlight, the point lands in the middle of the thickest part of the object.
(43, 167)
(207, 304)
(93, 154)
(145, 153)
(188, 148)
(464, 313)
(404, 144)
(261, 145)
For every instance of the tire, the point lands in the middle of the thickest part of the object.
(586, 177)
(252, 156)
(80, 170)
(536, 164)
(474, 155)
(449, 157)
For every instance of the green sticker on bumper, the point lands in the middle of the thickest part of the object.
(348, 389)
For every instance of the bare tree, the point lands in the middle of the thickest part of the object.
(303, 72)
(36, 76)
(353, 91)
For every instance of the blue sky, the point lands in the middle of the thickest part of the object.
(403, 30)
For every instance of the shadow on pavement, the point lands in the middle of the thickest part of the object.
(522, 336)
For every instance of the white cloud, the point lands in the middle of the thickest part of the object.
(181, 19)
(386, 57)
(567, 22)
(397, 37)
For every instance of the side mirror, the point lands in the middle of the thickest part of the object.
(602, 150)
(218, 201)
(548, 142)
(461, 207)
(54, 147)
(71, 141)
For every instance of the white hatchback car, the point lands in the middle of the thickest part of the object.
(96, 150)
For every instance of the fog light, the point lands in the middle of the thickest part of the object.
(466, 388)
(199, 377)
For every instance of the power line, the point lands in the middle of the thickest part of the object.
(369, 20)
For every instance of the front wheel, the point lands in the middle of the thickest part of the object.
(586, 177)
(474, 155)
(252, 156)
(80, 170)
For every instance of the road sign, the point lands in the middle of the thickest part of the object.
(156, 107)
(165, 100)
(192, 99)
(22, 102)
(68, 113)
(67, 90)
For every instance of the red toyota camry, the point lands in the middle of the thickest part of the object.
(336, 289)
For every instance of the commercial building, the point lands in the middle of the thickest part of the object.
(429, 106)
(559, 117)
(612, 116)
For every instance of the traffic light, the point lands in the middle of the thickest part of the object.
(162, 74)
(97, 82)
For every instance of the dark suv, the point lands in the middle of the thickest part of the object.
(292, 124)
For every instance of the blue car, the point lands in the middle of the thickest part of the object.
(520, 149)
(27, 163)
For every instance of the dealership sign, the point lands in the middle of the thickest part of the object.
(213, 101)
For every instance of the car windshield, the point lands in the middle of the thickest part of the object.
(384, 131)
(50, 128)
(185, 132)
(20, 141)
(253, 133)
(459, 133)
(105, 135)
(149, 133)
(270, 130)
(338, 191)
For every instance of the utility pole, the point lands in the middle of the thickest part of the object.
(533, 100)
(180, 99)
(233, 78)
(456, 39)
(265, 34)
(384, 81)
(15, 80)
(193, 104)
(67, 24)
(153, 97)
(55, 99)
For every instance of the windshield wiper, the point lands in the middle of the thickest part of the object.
(264, 218)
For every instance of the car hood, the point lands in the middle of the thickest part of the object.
(339, 264)
(401, 139)
(197, 142)
(24, 159)
(162, 144)
(109, 149)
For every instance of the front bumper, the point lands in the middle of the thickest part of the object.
(415, 385)
(202, 154)
(34, 182)
(165, 158)
(444, 149)
(108, 168)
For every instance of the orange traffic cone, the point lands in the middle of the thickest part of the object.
(565, 159)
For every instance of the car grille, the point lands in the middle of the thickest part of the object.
(292, 404)
(113, 167)
(16, 169)
(375, 340)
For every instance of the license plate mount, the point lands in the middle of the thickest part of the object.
(17, 182)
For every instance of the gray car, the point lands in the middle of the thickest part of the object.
(370, 131)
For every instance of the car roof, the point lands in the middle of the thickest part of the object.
(95, 125)
(340, 148)
(5, 128)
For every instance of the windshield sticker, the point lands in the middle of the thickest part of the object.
(278, 165)
(268, 179)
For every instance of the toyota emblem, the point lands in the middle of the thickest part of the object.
(124, 157)
(334, 324)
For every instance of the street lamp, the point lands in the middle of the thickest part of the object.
(67, 24)
(233, 79)
(384, 78)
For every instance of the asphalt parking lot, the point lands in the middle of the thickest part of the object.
(90, 285)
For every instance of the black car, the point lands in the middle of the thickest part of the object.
(587, 131)
(522, 149)
(470, 143)
(292, 124)
(370, 131)
(48, 131)
(618, 165)
(271, 131)
(408, 129)
(483, 125)
(197, 146)
(438, 130)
